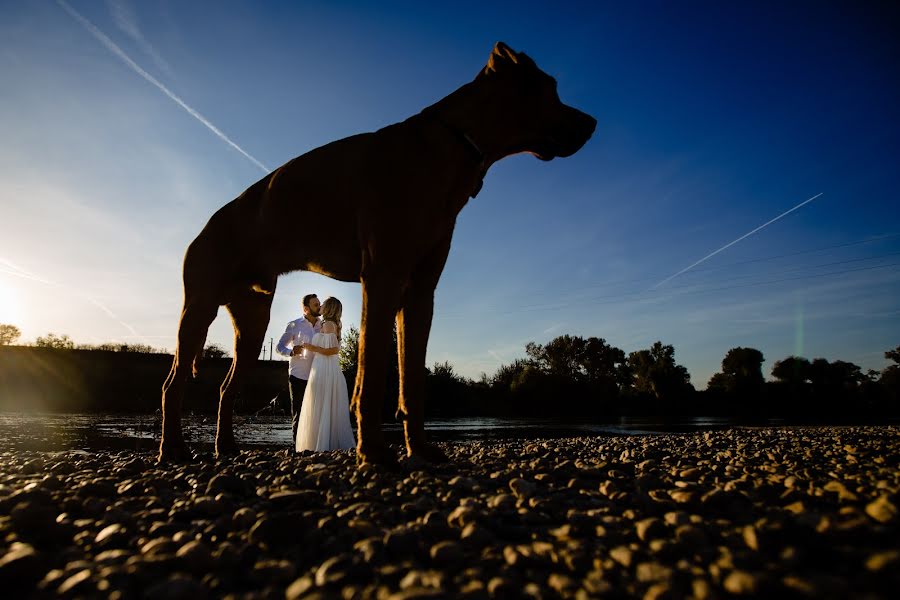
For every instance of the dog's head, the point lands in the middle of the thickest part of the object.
(529, 110)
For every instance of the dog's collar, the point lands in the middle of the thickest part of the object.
(473, 148)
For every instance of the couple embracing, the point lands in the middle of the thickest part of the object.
(320, 404)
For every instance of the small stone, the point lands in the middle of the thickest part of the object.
(299, 588)
(741, 583)
(652, 571)
(500, 587)
(650, 529)
(196, 556)
(702, 589)
(177, 587)
(750, 537)
(522, 488)
(683, 496)
(447, 553)
(336, 570)
(112, 536)
(844, 495)
(660, 591)
(20, 565)
(78, 584)
(275, 571)
(622, 555)
(465, 483)
(563, 584)
(882, 510)
(798, 508)
(226, 482)
(881, 561)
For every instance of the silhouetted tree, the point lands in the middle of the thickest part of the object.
(9, 334)
(890, 382)
(51, 340)
(592, 360)
(117, 347)
(793, 371)
(214, 351)
(656, 373)
(741, 374)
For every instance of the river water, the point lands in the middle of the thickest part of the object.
(109, 431)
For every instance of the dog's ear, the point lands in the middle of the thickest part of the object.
(502, 57)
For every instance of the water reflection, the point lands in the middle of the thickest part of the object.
(55, 431)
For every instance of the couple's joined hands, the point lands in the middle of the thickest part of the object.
(297, 349)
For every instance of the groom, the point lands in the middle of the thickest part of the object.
(297, 333)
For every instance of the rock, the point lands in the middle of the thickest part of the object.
(21, 565)
(522, 488)
(741, 583)
(195, 556)
(337, 570)
(622, 555)
(501, 587)
(650, 529)
(113, 536)
(79, 584)
(882, 510)
(701, 589)
(447, 553)
(563, 584)
(651, 571)
(299, 588)
(279, 529)
(660, 591)
(273, 571)
(844, 495)
(177, 587)
(227, 483)
(884, 561)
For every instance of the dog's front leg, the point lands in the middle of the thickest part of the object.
(413, 329)
(380, 298)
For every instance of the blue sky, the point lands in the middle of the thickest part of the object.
(713, 119)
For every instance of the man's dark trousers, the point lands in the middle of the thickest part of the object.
(298, 387)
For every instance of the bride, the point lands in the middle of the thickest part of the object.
(325, 413)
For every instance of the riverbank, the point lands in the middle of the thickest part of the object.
(760, 512)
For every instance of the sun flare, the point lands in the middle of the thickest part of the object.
(10, 307)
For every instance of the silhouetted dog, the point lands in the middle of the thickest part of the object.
(390, 202)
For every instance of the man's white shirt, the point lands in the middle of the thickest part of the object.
(297, 332)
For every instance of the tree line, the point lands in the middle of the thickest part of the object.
(576, 377)
(10, 334)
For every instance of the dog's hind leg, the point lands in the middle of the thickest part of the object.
(380, 301)
(413, 328)
(196, 317)
(250, 317)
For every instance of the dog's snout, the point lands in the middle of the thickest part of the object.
(586, 122)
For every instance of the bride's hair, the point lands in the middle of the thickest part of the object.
(331, 310)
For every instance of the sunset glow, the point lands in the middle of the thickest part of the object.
(10, 305)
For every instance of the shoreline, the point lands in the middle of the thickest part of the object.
(808, 511)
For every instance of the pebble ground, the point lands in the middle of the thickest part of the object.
(802, 512)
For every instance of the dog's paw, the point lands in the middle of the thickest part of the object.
(379, 455)
(173, 449)
(428, 452)
(226, 446)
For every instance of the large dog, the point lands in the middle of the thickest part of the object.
(391, 198)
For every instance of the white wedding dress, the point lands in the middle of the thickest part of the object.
(325, 413)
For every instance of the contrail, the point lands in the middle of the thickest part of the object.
(112, 47)
(10, 268)
(728, 245)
